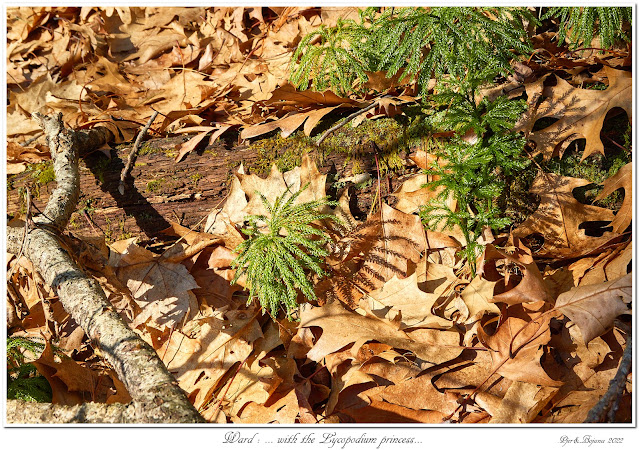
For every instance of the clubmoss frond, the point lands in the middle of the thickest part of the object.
(580, 23)
(474, 173)
(23, 380)
(421, 42)
(280, 258)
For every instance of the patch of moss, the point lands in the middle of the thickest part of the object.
(42, 173)
(73, 222)
(150, 149)
(101, 166)
(389, 135)
(599, 86)
(196, 177)
(146, 149)
(286, 153)
(155, 185)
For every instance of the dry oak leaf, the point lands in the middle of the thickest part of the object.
(420, 394)
(289, 123)
(18, 157)
(211, 270)
(609, 267)
(403, 296)
(561, 220)
(621, 180)
(383, 412)
(201, 354)
(73, 384)
(530, 285)
(477, 298)
(256, 379)
(581, 112)
(412, 194)
(583, 360)
(594, 307)
(191, 242)
(287, 401)
(516, 349)
(284, 410)
(305, 106)
(161, 288)
(342, 327)
(522, 403)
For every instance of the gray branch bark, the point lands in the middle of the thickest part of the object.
(609, 403)
(19, 411)
(157, 398)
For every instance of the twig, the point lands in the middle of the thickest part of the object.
(610, 401)
(219, 402)
(344, 121)
(134, 152)
(33, 139)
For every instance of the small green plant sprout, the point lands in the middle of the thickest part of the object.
(477, 161)
(280, 257)
(23, 380)
(578, 23)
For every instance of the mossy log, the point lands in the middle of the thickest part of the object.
(160, 190)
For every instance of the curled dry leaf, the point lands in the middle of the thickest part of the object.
(581, 112)
(342, 327)
(621, 180)
(608, 266)
(73, 384)
(529, 287)
(191, 242)
(516, 350)
(561, 220)
(594, 308)
(19, 156)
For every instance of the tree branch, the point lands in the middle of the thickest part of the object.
(19, 411)
(155, 393)
(610, 401)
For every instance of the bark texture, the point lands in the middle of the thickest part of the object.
(155, 393)
(19, 411)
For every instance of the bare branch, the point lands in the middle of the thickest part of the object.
(609, 403)
(134, 152)
(155, 393)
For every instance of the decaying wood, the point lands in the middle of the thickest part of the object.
(155, 393)
(184, 192)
